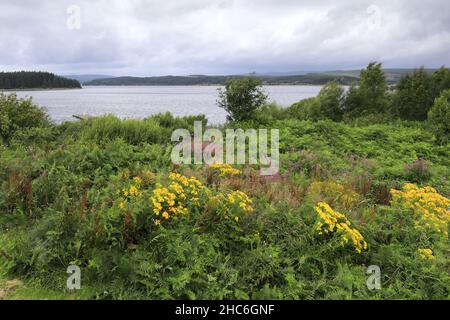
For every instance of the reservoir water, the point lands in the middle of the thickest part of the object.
(143, 101)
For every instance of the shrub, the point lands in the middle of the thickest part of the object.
(307, 109)
(19, 114)
(439, 116)
(132, 131)
(330, 101)
(430, 209)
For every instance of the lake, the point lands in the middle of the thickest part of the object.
(143, 101)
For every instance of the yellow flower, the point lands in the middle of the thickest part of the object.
(134, 191)
(225, 169)
(431, 208)
(165, 215)
(331, 221)
(121, 204)
(157, 222)
(426, 254)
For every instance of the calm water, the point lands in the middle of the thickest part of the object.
(141, 102)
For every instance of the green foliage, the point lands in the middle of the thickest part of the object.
(414, 96)
(33, 80)
(80, 193)
(441, 81)
(327, 105)
(133, 131)
(439, 116)
(241, 98)
(371, 94)
(19, 115)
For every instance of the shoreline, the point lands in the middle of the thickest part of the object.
(39, 89)
(199, 85)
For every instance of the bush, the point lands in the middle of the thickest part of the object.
(18, 114)
(439, 116)
(327, 105)
(133, 131)
(306, 109)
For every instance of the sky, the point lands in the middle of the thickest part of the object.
(182, 37)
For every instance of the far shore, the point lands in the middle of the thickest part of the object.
(38, 89)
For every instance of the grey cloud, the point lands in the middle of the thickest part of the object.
(225, 36)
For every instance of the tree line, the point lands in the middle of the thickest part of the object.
(418, 96)
(35, 80)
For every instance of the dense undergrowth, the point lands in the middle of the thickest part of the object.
(103, 194)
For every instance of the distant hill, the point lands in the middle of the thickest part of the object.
(392, 75)
(343, 77)
(82, 78)
(313, 79)
(35, 80)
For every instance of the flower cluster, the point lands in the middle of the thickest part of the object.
(238, 202)
(174, 200)
(232, 206)
(131, 192)
(426, 254)
(224, 169)
(331, 221)
(240, 199)
(432, 208)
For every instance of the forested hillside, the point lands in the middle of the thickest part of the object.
(393, 76)
(35, 80)
(313, 79)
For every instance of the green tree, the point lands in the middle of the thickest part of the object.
(371, 96)
(414, 96)
(330, 100)
(241, 98)
(30, 80)
(327, 105)
(441, 81)
(306, 109)
(439, 116)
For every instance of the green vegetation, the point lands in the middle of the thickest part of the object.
(312, 79)
(342, 77)
(20, 117)
(439, 115)
(241, 98)
(358, 186)
(35, 80)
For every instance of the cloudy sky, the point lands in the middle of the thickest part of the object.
(158, 37)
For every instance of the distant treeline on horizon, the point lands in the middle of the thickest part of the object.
(393, 76)
(45, 80)
(35, 80)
